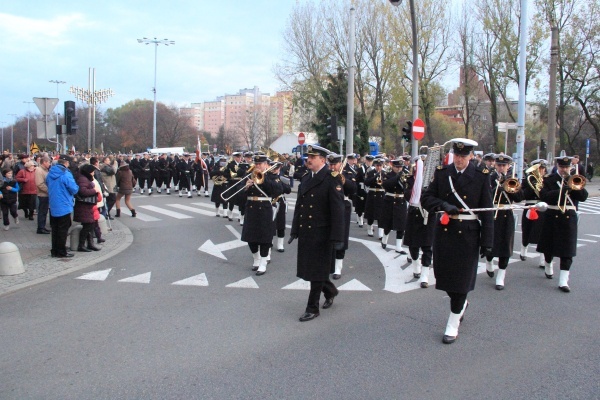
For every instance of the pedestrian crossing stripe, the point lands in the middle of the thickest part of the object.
(198, 280)
(142, 278)
(166, 212)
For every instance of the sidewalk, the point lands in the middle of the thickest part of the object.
(35, 253)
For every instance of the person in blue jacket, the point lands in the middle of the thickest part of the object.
(61, 191)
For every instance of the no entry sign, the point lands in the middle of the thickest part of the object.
(418, 129)
(301, 138)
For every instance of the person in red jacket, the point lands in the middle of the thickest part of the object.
(28, 193)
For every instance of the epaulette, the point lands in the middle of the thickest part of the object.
(442, 166)
(483, 171)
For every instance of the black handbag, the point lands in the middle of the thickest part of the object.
(88, 199)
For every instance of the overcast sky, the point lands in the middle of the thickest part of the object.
(220, 47)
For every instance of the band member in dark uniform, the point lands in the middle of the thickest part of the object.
(418, 233)
(280, 205)
(563, 193)
(145, 174)
(173, 161)
(261, 189)
(232, 178)
(184, 169)
(319, 227)
(393, 216)
(489, 160)
(506, 191)
(459, 235)
(360, 199)
(135, 168)
(374, 205)
(217, 174)
(163, 175)
(299, 169)
(206, 172)
(532, 228)
(348, 182)
(243, 169)
(199, 169)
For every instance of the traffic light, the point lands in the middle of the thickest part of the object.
(70, 118)
(407, 135)
(332, 128)
(542, 145)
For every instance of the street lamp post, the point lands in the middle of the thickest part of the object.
(12, 132)
(57, 83)
(28, 115)
(156, 42)
(2, 122)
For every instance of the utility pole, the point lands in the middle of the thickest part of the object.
(552, 94)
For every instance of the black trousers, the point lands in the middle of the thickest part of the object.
(60, 230)
(316, 287)
(565, 262)
(263, 247)
(425, 258)
(43, 204)
(457, 301)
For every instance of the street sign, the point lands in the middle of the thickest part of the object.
(587, 148)
(45, 104)
(46, 129)
(418, 129)
(301, 138)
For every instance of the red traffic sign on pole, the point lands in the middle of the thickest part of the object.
(301, 138)
(418, 129)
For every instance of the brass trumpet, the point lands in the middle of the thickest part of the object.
(379, 179)
(512, 184)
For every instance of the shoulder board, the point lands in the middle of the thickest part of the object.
(442, 166)
(485, 171)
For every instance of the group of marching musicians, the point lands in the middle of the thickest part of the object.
(186, 172)
(465, 212)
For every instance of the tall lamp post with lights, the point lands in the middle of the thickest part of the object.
(12, 132)
(156, 42)
(2, 122)
(57, 83)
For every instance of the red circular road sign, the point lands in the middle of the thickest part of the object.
(418, 129)
(301, 138)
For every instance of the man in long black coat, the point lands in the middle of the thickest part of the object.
(559, 233)
(319, 227)
(459, 236)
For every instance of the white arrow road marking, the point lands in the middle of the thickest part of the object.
(589, 234)
(198, 280)
(166, 212)
(218, 249)
(246, 283)
(192, 209)
(96, 275)
(300, 284)
(233, 231)
(142, 278)
(354, 284)
(146, 217)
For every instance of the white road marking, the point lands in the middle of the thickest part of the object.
(300, 284)
(96, 275)
(233, 231)
(142, 278)
(146, 217)
(198, 280)
(246, 283)
(218, 249)
(168, 213)
(192, 209)
(355, 284)
(587, 240)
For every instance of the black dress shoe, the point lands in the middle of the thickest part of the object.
(42, 232)
(565, 289)
(63, 255)
(254, 268)
(523, 258)
(383, 245)
(47, 230)
(100, 240)
(93, 248)
(308, 316)
(84, 249)
(499, 287)
(259, 273)
(449, 339)
(490, 274)
(549, 276)
(336, 276)
(280, 250)
(424, 285)
(328, 303)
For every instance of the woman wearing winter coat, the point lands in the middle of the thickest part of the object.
(125, 182)
(108, 168)
(28, 193)
(85, 203)
(8, 199)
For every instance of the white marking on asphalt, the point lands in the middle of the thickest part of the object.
(146, 217)
(355, 284)
(233, 231)
(198, 280)
(217, 249)
(192, 209)
(589, 234)
(142, 278)
(168, 213)
(246, 283)
(96, 275)
(300, 284)
(587, 240)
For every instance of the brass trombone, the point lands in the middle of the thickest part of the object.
(256, 176)
(574, 182)
(512, 184)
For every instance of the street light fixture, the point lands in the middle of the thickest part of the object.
(156, 42)
(2, 122)
(57, 83)
(28, 115)
(12, 132)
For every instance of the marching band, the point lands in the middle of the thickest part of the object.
(448, 210)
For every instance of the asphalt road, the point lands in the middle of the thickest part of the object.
(73, 338)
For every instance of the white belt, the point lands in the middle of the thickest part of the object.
(395, 195)
(565, 208)
(416, 205)
(531, 201)
(255, 198)
(376, 190)
(464, 217)
(347, 198)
